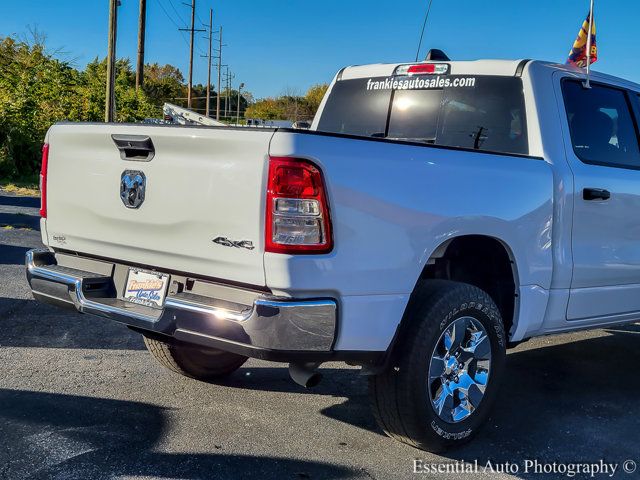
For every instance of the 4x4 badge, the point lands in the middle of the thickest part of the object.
(225, 242)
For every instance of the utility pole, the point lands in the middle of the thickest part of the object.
(142, 21)
(227, 94)
(240, 87)
(219, 77)
(192, 32)
(209, 70)
(210, 57)
(110, 100)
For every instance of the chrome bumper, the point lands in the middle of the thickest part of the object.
(261, 330)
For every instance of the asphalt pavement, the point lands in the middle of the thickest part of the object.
(80, 398)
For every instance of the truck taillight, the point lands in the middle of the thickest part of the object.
(43, 180)
(297, 208)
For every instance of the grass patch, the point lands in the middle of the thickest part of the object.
(17, 226)
(27, 188)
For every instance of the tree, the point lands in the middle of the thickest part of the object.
(38, 90)
(289, 106)
(266, 109)
(131, 106)
(315, 95)
(163, 83)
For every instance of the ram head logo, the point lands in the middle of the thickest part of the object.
(132, 188)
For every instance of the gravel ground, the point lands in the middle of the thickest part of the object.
(80, 398)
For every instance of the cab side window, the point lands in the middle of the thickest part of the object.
(603, 129)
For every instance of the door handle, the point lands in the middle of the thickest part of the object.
(596, 194)
(135, 147)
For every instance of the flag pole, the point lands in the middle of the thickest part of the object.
(587, 84)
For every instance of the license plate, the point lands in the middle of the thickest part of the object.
(146, 288)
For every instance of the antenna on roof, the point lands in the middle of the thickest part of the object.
(437, 56)
(424, 25)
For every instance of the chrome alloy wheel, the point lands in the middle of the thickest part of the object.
(459, 370)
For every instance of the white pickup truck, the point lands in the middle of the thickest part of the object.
(435, 214)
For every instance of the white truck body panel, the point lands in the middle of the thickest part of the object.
(605, 278)
(389, 222)
(394, 206)
(202, 183)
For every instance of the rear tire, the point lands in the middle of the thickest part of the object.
(206, 364)
(439, 387)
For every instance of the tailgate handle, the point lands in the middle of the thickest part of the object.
(136, 148)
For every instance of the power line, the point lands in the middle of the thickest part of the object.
(184, 22)
(424, 25)
(200, 20)
(167, 14)
(201, 51)
(184, 39)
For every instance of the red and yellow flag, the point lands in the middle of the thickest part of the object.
(578, 54)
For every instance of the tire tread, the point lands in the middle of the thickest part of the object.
(171, 357)
(392, 392)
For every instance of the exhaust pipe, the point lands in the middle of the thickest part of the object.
(305, 374)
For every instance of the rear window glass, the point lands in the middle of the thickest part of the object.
(482, 112)
(353, 109)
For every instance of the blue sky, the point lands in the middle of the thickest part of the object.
(274, 45)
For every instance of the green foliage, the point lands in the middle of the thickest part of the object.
(267, 109)
(38, 90)
(163, 83)
(289, 106)
(35, 91)
(315, 95)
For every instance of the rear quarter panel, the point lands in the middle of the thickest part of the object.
(393, 204)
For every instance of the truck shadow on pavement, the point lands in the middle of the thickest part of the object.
(559, 401)
(19, 220)
(66, 436)
(12, 255)
(571, 402)
(19, 201)
(30, 324)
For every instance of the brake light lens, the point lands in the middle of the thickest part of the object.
(43, 180)
(423, 69)
(297, 219)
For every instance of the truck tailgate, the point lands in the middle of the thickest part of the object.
(202, 184)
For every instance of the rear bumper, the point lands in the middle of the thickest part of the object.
(269, 328)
